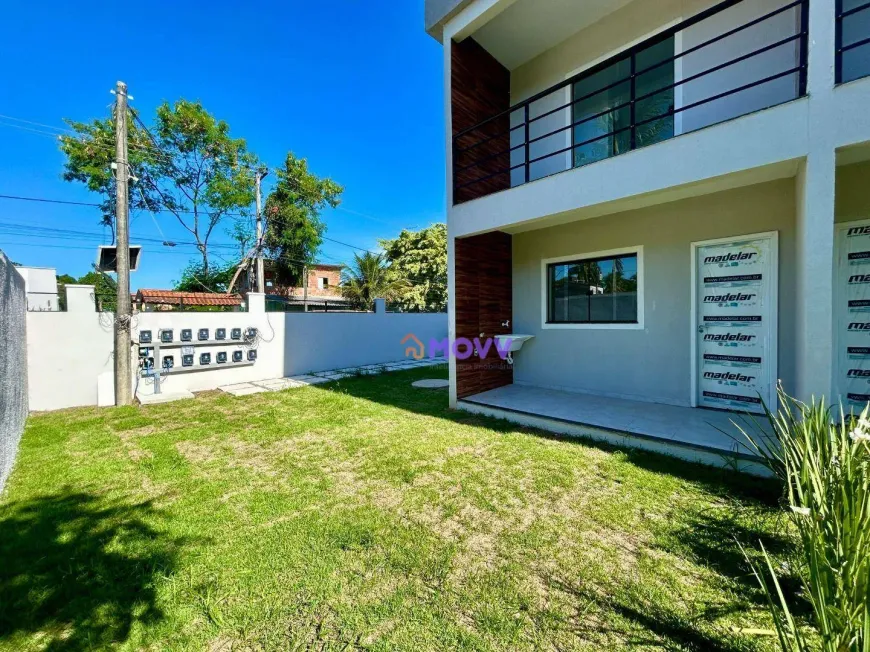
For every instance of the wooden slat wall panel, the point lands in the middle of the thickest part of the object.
(481, 88)
(484, 301)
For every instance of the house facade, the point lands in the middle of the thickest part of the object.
(668, 196)
(322, 283)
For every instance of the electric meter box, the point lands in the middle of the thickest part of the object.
(251, 333)
(236, 334)
(202, 335)
(168, 362)
(187, 361)
(252, 355)
(166, 335)
(238, 356)
(221, 357)
(205, 358)
(220, 334)
(186, 335)
(145, 337)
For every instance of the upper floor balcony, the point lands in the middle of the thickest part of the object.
(639, 74)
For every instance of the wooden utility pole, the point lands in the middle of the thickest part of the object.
(123, 376)
(261, 279)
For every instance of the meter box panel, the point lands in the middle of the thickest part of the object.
(236, 334)
(252, 355)
(202, 335)
(204, 358)
(186, 335)
(238, 356)
(251, 333)
(145, 337)
(220, 334)
(168, 361)
(166, 335)
(221, 357)
(187, 360)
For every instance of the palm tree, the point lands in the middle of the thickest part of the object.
(370, 278)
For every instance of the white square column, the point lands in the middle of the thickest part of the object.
(814, 277)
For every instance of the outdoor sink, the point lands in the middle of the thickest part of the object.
(517, 341)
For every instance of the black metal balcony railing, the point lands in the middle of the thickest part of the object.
(853, 40)
(678, 81)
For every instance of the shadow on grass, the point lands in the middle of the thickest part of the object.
(78, 570)
(648, 623)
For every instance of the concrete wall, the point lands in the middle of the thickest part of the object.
(69, 354)
(66, 351)
(653, 363)
(852, 199)
(13, 365)
(41, 287)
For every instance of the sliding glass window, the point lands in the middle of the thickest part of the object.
(602, 109)
(854, 31)
(593, 291)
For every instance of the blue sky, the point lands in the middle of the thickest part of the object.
(354, 86)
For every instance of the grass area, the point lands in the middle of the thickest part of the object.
(364, 514)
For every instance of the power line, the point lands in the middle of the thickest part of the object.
(31, 122)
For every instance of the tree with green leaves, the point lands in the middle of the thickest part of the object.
(370, 278)
(187, 164)
(105, 290)
(201, 173)
(196, 279)
(90, 154)
(420, 257)
(294, 230)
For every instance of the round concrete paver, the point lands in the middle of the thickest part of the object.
(431, 383)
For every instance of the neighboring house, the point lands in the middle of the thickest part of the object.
(40, 285)
(670, 196)
(323, 282)
(151, 300)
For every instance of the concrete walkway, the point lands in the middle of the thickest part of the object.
(315, 378)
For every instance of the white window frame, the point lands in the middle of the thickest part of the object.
(546, 262)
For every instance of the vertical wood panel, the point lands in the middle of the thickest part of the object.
(484, 301)
(481, 88)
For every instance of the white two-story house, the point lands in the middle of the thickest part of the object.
(672, 197)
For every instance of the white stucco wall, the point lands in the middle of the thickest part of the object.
(41, 287)
(67, 352)
(652, 363)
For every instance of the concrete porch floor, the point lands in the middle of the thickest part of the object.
(690, 433)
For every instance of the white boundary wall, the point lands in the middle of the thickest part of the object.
(69, 354)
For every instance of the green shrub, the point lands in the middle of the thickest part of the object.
(823, 465)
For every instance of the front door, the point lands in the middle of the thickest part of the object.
(734, 314)
(852, 312)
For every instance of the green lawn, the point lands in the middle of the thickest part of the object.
(364, 514)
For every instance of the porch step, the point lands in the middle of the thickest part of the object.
(716, 456)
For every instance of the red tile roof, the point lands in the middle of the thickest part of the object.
(188, 298)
